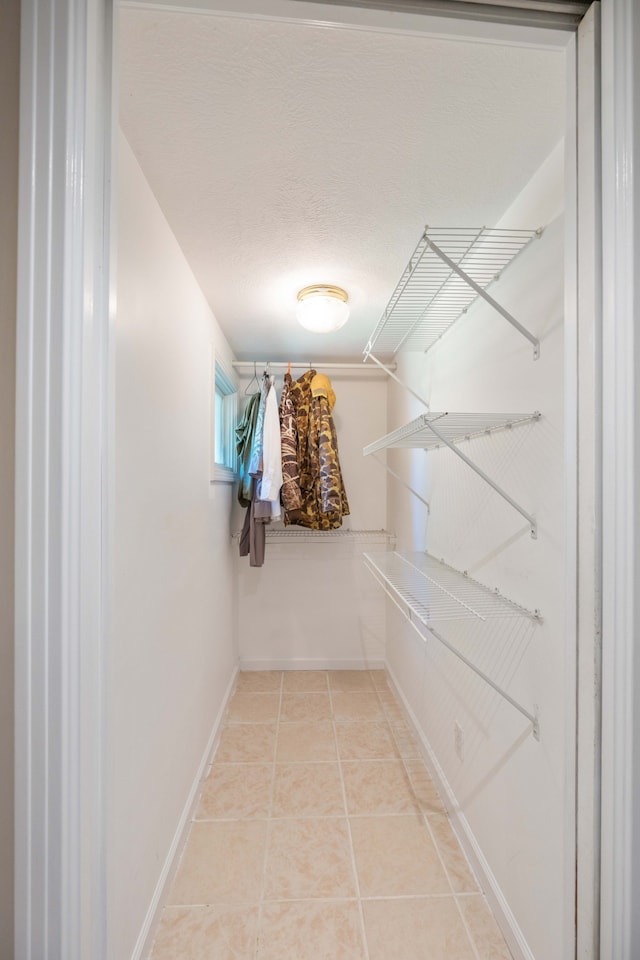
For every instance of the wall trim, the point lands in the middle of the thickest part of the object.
(488, 883)
(308, 664)
(584, 539)
(149, 928)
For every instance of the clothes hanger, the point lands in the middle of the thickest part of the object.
(254, 377)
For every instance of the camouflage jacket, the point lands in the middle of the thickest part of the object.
(324, 499)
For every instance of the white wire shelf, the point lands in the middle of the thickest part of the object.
(343, 536)
(429, 591)
(436, 592)
(454, 427)
(449, 269)
(432, 430)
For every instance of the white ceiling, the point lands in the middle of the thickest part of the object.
(284, 154)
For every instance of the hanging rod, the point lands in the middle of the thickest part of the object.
(438, 592)
(308, 365)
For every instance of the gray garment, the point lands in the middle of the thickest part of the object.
(253, 536)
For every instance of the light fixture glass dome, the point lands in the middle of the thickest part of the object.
(322, 308)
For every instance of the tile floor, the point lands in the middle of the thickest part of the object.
(320, 836)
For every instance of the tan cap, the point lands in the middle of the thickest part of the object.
(321, 387)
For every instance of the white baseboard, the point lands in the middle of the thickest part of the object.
(149, 927)
(312, 664)
(486, 878)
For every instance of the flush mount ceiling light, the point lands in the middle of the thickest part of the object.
(322, 308)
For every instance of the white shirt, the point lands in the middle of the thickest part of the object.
(269, 487)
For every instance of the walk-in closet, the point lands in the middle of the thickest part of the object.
(356, 739)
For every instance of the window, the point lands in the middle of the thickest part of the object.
(223, 468)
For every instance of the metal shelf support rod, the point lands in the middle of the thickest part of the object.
(485, 296)
(483, 676)
(487, 479)
(283, 364)
(531, 717)
(404, 386)
(403, 482)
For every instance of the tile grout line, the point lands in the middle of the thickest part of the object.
(453, 892)
(436, 847)
(354, 866)
(427, 822)
(268, 823)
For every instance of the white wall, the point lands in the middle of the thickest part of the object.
(9, 87)
(173, 650)
(313, 603)
(513, 795)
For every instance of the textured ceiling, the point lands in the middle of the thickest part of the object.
(284, 154)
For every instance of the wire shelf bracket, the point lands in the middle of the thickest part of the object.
(403, 482)
(432, 430)
(388, 369)
(450, 268)
(427, 591)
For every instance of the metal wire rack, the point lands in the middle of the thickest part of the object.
(449, 269)
(435, 591)
(432, 430)
(429, 591)
(289, 534)
(454, 427)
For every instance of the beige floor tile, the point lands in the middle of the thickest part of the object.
(307, 790)
(378, 787)
(306, 741)
(223, 862)
(253, 707)
(259, 681)
(393, 711)
(247, 743)
(309, 930)
(415, 929)
(356, 705)
(485, 932)
(350, 680)
(305, 681)
(380, 679)
(305, 707)
(309, 859)
(202, 932)
(456, 865)
(236, 790)
(359, 740)
(424, 787)
(406, 742)
(395, 857)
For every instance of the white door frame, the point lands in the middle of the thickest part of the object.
(620, 882)
(62, 401)
(63, 398)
